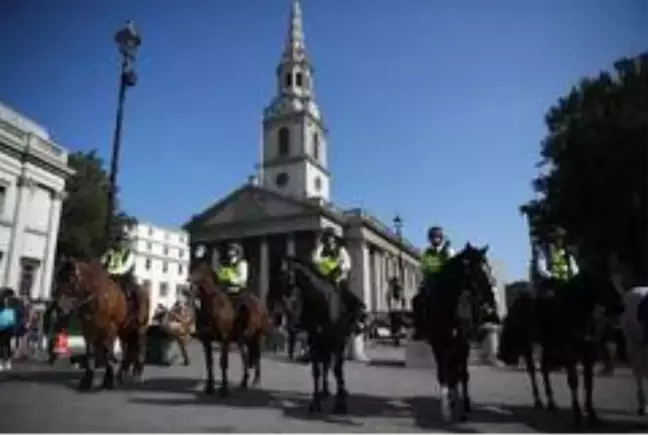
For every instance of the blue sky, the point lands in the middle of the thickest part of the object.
(443, 99)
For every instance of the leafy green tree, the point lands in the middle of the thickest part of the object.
(595, 164)
(81, 232)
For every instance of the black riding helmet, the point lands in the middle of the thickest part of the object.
(327, 233)
(435, 232)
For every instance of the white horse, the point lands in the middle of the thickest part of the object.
(633, 323)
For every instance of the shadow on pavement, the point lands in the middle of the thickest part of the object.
(537, 420)
(294, 405)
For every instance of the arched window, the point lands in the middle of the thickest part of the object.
(298, 79)
(316, 146)
(284, 141)
(288, 80)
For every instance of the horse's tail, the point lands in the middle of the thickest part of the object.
(516, 335)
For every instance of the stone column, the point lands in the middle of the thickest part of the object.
(49, 256)
(12, 273)
(264, 269)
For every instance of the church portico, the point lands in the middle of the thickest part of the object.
(285, 207)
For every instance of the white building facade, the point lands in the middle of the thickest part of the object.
(161, 261)
(33, 170)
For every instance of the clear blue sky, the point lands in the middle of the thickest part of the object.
(443, 99)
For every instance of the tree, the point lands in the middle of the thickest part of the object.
(81, 233)
(595, 159)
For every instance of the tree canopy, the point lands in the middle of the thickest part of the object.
(595, 166)
(81, 232)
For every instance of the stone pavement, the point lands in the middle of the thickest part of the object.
(384, 398)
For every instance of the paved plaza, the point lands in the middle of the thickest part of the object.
(384, 398)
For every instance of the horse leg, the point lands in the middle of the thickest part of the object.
(642, 409)
(255, 358)
(224, 364)
(531, 370)
(546, 380)
(326, 369)
(341, 395)
(589, 359)
(572, 381)
(316, 372)
(124, 367)
(139, 354)
(292, 339)
(442, 378)
(109, 361)
(465, 379)
(245, 362)
(209, 365)
(89, 364)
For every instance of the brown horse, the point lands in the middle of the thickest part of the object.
(102, 309)
(216, 320)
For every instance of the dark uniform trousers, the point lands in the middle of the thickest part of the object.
(129, 286)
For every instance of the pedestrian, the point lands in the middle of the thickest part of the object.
(7, 326)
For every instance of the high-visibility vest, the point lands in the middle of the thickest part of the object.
(432, 261)
(228, 275)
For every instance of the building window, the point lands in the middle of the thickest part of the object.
(166, 250)
(281, 179)
(180, 253)
(164, 289)
(298, 79)
(165, 267)
(149, 246)
(147, 264)
(318, 184)
(180, 269)
(146, 284)
(288, 80)
(284, 141)
(316, 146)
(150, 232)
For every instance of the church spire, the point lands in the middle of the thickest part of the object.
(295, 49)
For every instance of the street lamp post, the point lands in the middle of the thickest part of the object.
(398, 285)
(128, 41)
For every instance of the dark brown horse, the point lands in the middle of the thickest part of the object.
(217, 320)
(86, 290)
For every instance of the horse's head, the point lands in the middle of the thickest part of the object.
(476, 274)
(201, 279)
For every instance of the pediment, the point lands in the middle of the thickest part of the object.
(252, 204)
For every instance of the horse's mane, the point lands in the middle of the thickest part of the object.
(207, 283)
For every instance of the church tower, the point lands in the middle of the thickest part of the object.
(295, 154)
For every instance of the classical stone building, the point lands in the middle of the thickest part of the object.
(283, 210)
(33, 170)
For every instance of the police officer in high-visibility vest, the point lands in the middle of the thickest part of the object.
(119, 262)
(232, 273)
(555, 264)
(434, 258)
(333, 262)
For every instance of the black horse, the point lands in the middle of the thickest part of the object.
(328, 324)
(567, 320)
(452, 302)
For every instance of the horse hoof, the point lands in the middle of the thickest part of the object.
(256, 382)
(551, 406)
(538, 404)
(467, 407)
(326, 394)
(642, 411)
(223, 392)
(186, 363)
(108, 386)
(243, 385)
(209, 390)
(84, 387)
(340, 408)
(593, 420)
(315, 407)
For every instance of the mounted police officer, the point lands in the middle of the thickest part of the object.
(334, 263)
(434, 258)
(119, 262)
(232, 273)
(555, 264)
